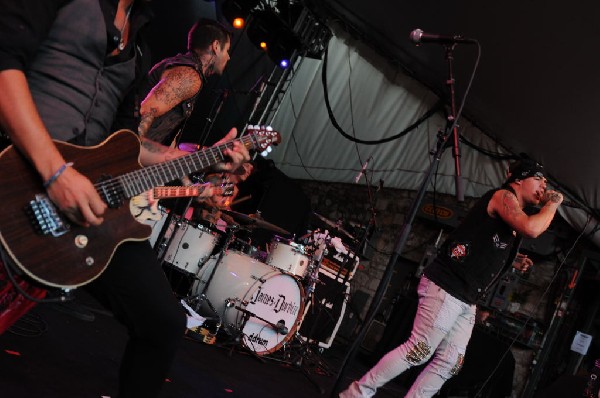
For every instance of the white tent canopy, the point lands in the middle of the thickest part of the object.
(372, 100)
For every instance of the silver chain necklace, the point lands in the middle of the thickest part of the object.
(122, 40)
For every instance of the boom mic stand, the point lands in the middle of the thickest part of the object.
(404, 233)
(452, 126)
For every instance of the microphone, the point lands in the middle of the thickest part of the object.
(417, 36)
(362, 171)
(281, 328)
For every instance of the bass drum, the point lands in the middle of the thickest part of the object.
(268, 296)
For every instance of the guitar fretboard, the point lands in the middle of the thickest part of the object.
(128, 185)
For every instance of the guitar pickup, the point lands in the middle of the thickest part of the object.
(45, 218)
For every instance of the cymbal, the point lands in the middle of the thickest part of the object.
(253, 220)
(334, 226)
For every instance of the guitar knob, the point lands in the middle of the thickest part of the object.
(81, 241)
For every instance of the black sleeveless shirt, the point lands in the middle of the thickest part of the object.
(165, 127)
(474, 255)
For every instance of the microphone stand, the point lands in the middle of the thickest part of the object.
(399, 247)
(458, 183)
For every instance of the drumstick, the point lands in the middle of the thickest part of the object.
(242, 199)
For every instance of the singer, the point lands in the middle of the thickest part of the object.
(470, 261)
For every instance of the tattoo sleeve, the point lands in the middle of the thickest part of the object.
(510, 204)
(153, 146)
(146, 121)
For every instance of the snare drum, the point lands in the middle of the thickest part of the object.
(191, 246)
(242, 281)
(288, 256)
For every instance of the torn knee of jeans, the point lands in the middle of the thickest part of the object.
(460, 360)
(418, 353)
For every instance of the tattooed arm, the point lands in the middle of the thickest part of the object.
(176, 85)
(504, 204)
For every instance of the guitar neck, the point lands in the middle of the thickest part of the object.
(182, 191)
(144, 179)
(175, 192)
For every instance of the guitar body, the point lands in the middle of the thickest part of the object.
(81, 254)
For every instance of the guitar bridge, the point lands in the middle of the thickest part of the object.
(45, 217)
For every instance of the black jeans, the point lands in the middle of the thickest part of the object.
(135, 289)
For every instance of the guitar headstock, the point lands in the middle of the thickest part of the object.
(265, 136)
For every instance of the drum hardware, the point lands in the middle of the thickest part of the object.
(161, 243)
(336, 227)
(299, 354)
(242, 281)
(201, 297)
(255, 220)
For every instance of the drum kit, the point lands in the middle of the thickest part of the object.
(257, 297)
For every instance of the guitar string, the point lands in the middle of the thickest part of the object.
(140, 176)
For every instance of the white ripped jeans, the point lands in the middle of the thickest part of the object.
(442, 328)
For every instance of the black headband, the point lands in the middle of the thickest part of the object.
(524, 169)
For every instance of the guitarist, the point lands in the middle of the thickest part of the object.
(65, 67)
(172, 86)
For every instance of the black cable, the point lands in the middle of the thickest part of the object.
(296, 143)
(436, 107)
(5, 261)
(536, 306)
(495, 155)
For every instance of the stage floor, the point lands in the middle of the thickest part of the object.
(50, 354)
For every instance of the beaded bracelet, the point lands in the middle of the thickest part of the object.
(57, 174)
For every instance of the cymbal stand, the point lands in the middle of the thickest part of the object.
(299, 353)
(306, 354)
(160, 246)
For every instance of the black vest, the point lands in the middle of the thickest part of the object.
(474, 255)
(76, 94)
(165, 127)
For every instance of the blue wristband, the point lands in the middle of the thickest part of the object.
(57, 174)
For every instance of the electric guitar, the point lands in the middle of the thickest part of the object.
(46, 246)
(144, 207)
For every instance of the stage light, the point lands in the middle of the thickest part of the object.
(236, 12)
(239, 23)
(268, 32)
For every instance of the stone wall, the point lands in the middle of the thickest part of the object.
(350, 203)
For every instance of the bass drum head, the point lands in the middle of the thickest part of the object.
(264, 292)
(278, 300)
